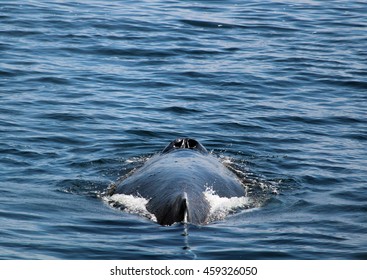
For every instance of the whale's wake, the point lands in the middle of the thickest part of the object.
(220, 207)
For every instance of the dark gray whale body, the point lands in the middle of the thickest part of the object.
(174, 182)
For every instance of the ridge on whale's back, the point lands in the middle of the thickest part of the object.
(178, 182)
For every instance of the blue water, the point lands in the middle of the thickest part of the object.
(89, 90)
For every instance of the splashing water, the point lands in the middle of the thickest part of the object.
(130, 204)
(221, 207)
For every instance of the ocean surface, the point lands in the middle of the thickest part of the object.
(90, 90)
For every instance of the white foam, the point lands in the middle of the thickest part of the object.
(220, 207)
(131, 204)
(226, 160)
(137, 159)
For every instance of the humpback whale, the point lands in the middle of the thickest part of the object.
(174, 183)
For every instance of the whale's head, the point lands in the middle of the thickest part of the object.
(184, 143)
